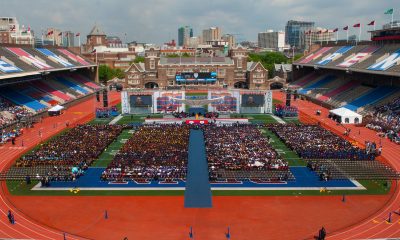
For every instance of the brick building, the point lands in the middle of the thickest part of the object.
(231, 71)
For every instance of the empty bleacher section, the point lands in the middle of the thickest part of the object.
(357, 170)
(371, 97)
(34, 79)
(363, 76)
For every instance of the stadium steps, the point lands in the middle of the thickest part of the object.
(315, 93)
(56, 93)
(384, 101)
(78, 83)
(71, 85)
(38, 54)
(374, 57)
(332, 50)
(335, 91)
(22, 99)
(57, 85)
(17, 62)
(302, 81)
(34, 93)
(371, 97)
(348, 96)
(354, 50)
(85, 81)
(317, 84)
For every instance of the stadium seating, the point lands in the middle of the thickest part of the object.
(71, 85)
(304, 80)
(322, 81)
(22, 99)
(335, 91)
(371, 97)
(44, 87)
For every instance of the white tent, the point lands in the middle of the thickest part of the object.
(56, 110)
(346, 115)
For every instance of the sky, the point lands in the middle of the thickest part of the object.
(157, 21)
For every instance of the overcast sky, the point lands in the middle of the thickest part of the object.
(157, 21)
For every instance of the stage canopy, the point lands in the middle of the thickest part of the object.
(346, 115)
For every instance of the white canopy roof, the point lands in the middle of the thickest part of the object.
(344, 112)
(56, 108)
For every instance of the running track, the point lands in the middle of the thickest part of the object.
(375, 226)
(24, 227)
(27, 229)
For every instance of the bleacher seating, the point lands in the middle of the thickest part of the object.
(22, 99)
(322, 81)
(371, 97)
(71, 85)
(335, 91)
(44, 87)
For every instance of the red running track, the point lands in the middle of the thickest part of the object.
(24, 227)
(165, 218)
(376, 225)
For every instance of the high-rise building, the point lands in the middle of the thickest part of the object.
(211, 34)
(184, 33)
(68, 39)
(272, 40)
(230, 39)
(295, 32)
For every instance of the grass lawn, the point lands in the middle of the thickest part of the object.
(196, 94)
(286, 153)
(108, 154)
(256, 118)
(100, 121)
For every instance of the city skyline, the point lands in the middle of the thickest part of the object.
(156, 21)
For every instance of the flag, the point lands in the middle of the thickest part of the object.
(346, 28)
(327, 30)
(78, 34)
(93, 51)
(336, 29)
(372, 23)
(29, 28)
(389, 11)
(49, 33)
(60, 34)
(319, 32)
(357, 25)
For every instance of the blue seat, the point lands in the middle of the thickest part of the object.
(371, 97)
(72, 85)
(319, 83)
(21, 99)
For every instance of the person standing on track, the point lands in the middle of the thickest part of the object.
(10, 217)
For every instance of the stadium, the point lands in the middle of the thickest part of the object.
(82, 160)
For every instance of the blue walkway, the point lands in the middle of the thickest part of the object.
(198, 189)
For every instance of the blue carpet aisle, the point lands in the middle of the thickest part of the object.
(198, 189)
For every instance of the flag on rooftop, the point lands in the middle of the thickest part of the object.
(389, 11)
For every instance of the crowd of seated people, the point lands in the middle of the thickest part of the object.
(386, 120)
(286, 111)
(239, 147)
(10, 135)
(315, 142)
(78, 147)
(325, 172)
(15, 112)
(154, 152)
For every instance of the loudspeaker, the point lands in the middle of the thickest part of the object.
(98, 96)
(105, 98)
(288, 98)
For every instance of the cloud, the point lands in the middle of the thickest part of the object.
(158, 20)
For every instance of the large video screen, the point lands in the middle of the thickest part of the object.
(166, 103)
(200, 77)
(226, 103)
(252, 100)
(140, 101)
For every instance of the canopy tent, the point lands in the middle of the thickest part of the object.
(345, 116)
(56, 110)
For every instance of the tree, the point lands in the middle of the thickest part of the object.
(138, 59)
(268, 60)
(106, 73)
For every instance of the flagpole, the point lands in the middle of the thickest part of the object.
(347, 35)
(359, 34)
(391, 23)
(337, 36)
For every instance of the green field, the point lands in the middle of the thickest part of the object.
(137, 118)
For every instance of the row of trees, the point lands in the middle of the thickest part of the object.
(268, 59)
(106, 73)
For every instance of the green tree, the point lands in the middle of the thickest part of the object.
(106, 73)
(268, 60)
(139, 59)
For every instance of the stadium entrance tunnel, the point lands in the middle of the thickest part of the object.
(151, 85)
(240, 85)
(276, 85)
